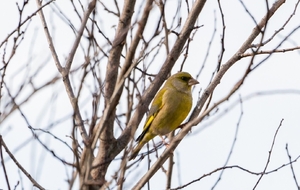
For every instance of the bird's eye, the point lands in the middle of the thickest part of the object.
(185, 78)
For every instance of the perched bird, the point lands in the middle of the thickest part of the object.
(169, 108)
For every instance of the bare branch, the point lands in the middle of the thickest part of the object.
(26, 20)
(48, 36)
(233, 143)
(269, 52)
(269, 157)
(66, 70)
(206, 94)
(292, 168)
(104, 129)
(238, 167)
(35, 183)
(87, 13)
(3, 164)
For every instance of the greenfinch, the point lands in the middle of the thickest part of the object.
(169, 108)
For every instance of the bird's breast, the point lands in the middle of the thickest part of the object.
(176, 107)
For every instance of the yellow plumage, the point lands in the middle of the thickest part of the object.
(169, 108)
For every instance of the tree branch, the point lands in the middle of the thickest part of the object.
(35, 183)
(104, 129)
(206, 94)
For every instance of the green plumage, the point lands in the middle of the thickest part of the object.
(169, 108)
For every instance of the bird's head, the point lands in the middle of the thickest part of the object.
(182, 81)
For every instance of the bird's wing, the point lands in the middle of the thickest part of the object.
(154, 110)
(155, 107)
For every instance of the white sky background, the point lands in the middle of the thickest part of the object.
(201, 151)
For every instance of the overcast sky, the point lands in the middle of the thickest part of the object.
(269, 95)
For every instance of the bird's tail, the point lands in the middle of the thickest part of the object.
(136, 151)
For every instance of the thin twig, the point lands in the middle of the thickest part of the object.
(65, 71)
(233, 143)
(206, 94)
(238, 167)
(269, 157)
(292, 168)
(35, 183)
(3, 165)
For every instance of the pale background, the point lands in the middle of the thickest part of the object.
(201, 151)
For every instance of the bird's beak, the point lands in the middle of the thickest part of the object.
(192, 82)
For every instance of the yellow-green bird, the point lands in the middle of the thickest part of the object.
(169, 108)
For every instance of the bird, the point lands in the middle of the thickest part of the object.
(169, 108)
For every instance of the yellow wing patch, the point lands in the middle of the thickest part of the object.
(149, 121)
(147, 125)
(155, 108)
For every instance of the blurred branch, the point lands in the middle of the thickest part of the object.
(26, 20)
(69, 60)
(244, 98)
(64, 71)
(3, 164)
(14, 107)
(237, 56)
(104, 129)
(169, 172)
(128, 133)
(128, 60)
(208, 47)
(233, 143)
(35, 183)
(195, 120)
(48, 37)
(161, 6)
(32, 129)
